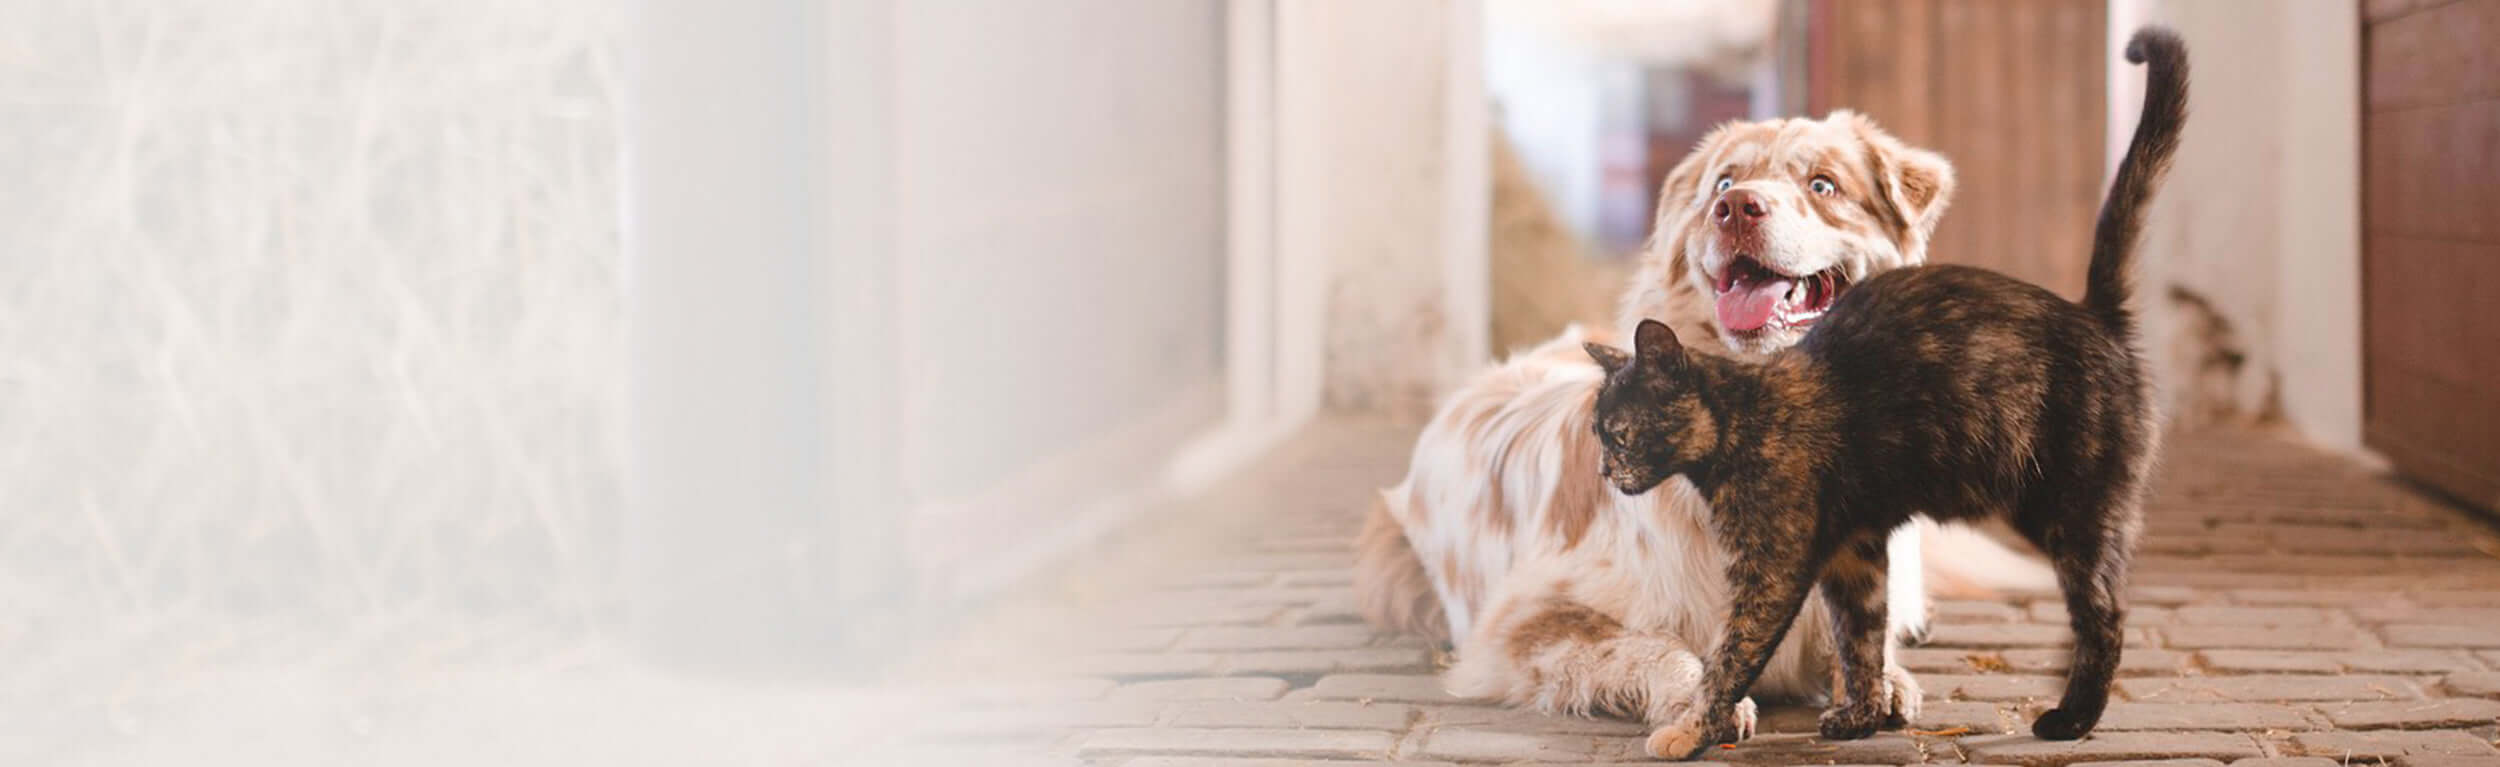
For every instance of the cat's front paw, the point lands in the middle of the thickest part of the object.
(1851, 720)
(1902, 696)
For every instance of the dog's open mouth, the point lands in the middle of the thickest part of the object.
(1752, 296)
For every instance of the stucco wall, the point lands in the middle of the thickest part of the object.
(2261, 214)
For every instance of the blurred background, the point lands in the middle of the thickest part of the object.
(479, 381)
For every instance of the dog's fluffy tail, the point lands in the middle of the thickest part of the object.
(1389, 580)
(2148, 157)
(1963, 563)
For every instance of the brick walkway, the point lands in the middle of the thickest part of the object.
(2289, 609)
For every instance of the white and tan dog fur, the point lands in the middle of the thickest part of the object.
(1562, 594)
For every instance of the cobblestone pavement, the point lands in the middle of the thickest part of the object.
(2289, 608)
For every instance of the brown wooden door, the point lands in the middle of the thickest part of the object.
(2430, 259)
(2011, 92)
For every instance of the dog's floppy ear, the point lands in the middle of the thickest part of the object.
(1655, 343)
(1916, 183)
(1683, 187)
(1608, 357)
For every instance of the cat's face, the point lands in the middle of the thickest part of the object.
(1649, 418)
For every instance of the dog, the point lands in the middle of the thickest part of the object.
(1561, 594)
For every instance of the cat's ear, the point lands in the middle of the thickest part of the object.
(1608, 357)
(1654, 342)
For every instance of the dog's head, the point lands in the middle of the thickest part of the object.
(1772, 220)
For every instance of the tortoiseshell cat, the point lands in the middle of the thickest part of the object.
(1948, 390)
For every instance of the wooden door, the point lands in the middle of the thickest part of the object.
(2431, 241)
(2011, 92)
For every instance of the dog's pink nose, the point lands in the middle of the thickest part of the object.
(1740, 207)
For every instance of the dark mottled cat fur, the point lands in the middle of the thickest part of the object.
(1948, 390)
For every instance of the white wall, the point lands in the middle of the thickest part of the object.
(2262, 211)
(1058, 202)
(312, 312)
(1382, 188)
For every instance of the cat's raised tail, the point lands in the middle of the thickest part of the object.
(2114, 239)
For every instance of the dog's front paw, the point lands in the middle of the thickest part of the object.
(1902, 696)
(1680, 740)
(1695, 732)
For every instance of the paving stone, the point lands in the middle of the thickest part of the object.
(2413, 714)
(2267, 688)
(2164, 595)
(1341, 545)
(2154, 763)
(1185, 612)
(2311, 637)
(1330, 577)
(1789, 718)
(1033, 691)
(1329, 611)
(1308, 714)
(2409, 661)
(2337, 597)
(1883, 748)
(2136, 661)
(1129, 640)
(2314, 564)
(1277, 638)
(2110, 746)
(1506, 719)
(1993, 636)
(1230, 761)
(1998, 635)
(2250, 616)
(2003, 687)
(1383, 659)
(2446, 760)
(2444, 616)
(1965, 611)
(2287, 761)
(995, 724)
(1338, 744)
(1223, 579)
(1971, 717)
(2488, 656)
(1947, 660)
(1020, 754)
(1395, 688)
(1129, 665)
(2418, 635)
(1281, 560)
(1467, 744)
(2272, 661)
(2053, 612)
(2466, 598)
(2481, 684)
(2388, 744)
(1218, 688)
(2203, 716)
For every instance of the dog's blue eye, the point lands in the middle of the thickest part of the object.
(1725, 183)
(1822, 185)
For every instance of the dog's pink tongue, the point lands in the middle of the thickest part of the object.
(1749, 304)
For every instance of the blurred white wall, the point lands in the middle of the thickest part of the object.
(309, 310)
(1382, 187)
(1567, 77)
(2261, 212)
(1059, 200)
